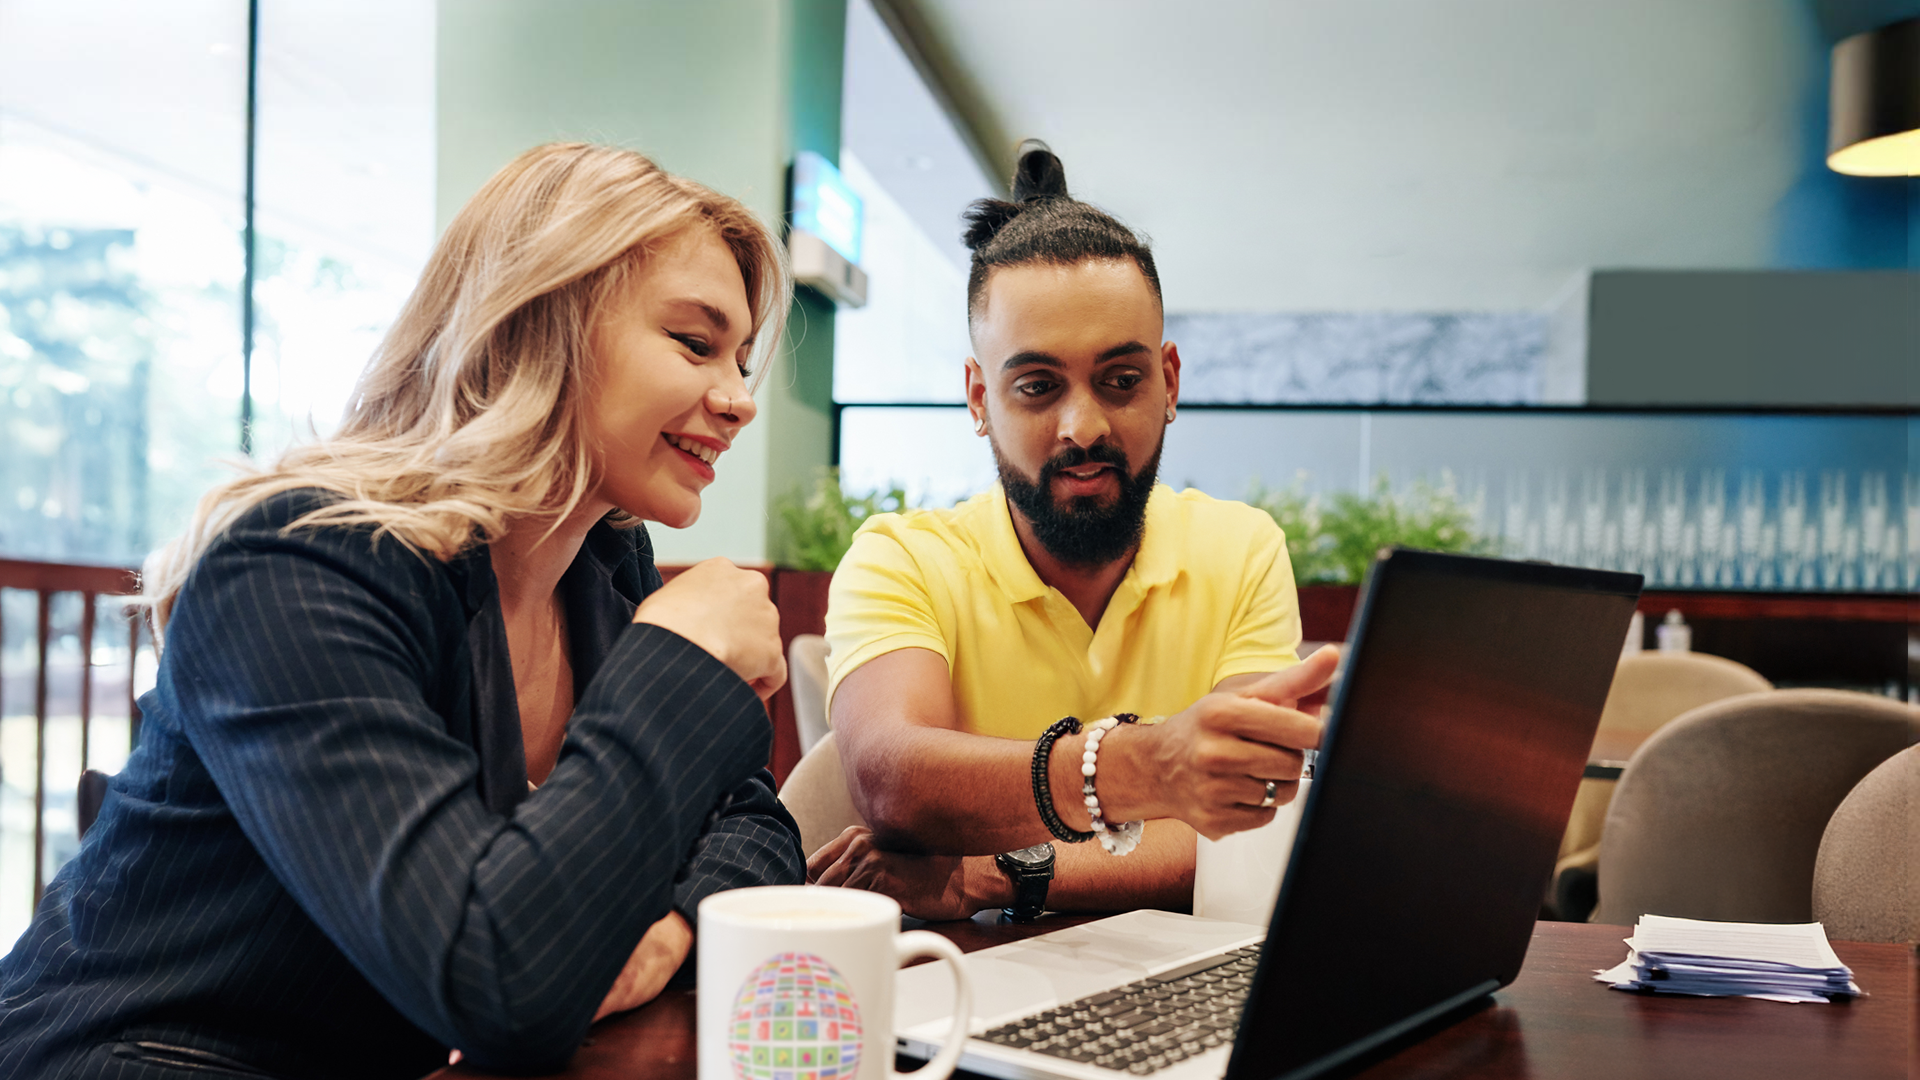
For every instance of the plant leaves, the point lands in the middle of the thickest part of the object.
(817, 526)
(1336, 544)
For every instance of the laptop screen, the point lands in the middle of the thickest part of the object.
(1454, 747)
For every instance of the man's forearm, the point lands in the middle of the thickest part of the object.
(937, 791)
(923, 785)
(1157, 874)
(947, 792)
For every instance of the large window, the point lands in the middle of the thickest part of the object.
(344, 199)
(903, 155)
(124, 214)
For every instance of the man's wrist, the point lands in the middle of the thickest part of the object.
(984, 883)
(1127, 768)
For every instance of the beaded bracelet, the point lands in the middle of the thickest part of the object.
(1043, 782)
(1118, 839)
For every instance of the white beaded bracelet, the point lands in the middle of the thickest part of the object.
(1118, 839)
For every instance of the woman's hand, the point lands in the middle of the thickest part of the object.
(724, 610)
(659, 954)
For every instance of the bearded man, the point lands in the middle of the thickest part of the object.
(987, 663)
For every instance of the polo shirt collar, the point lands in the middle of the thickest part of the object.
(1156, 563)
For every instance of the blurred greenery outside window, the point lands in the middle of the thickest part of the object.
(122, 247)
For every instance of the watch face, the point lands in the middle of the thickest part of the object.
(1037, 855)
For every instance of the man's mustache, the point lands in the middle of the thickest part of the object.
(1075, 456)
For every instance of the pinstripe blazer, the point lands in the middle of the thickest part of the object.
(323, 859)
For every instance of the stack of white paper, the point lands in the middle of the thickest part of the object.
(1779, 962)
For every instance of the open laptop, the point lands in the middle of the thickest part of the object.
(1455, 741)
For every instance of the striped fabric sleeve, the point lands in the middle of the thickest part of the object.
(307, 680)
(751, 840)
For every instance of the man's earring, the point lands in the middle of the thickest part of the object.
(1169, 414)
(980, 425)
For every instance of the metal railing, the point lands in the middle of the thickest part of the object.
(46, 579)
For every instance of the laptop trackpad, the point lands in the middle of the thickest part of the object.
(1023, 976)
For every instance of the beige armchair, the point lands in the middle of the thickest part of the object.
(1649, 690)
(1720, 814)
(807, 679)
(816, 795)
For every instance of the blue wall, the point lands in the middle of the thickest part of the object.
(1831, 221)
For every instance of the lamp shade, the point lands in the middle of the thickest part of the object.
(1875, 128)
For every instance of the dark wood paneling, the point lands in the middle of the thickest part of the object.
(1823, 607)
(1326, 611)
(1798, 638)
(1791, 638)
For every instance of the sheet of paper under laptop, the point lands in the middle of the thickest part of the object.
(1775, 961)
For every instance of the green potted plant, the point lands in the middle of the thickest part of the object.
(1332, 545)
(817, 526)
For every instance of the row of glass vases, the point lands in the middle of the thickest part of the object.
(1834, 532)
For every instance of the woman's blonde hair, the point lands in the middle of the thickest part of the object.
(470, 411)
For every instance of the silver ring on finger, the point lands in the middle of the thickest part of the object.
(1272, 796)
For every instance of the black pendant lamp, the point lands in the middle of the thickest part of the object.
(1875, 129)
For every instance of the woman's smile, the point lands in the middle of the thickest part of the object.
(698, 454)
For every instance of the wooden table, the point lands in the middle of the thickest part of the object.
(1554, 1021)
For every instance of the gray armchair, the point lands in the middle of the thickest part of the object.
(1866, 881)
(1719, 814)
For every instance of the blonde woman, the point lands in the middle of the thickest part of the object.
(434, 760)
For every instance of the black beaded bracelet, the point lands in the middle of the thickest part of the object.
(1043, 783)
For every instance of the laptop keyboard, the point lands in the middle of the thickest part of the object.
(1145, 1026)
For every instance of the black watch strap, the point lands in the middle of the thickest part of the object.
(1029, 888)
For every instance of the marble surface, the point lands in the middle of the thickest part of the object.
(1440, 358)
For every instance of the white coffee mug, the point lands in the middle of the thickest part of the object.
(796, 983)
(1237, 878)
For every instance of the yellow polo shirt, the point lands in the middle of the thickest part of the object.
(1210, 594)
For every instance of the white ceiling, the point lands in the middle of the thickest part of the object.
(1334, 155)
(900, 133)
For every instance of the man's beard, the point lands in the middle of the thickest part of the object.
(1083, 533)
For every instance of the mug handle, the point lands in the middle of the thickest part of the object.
(913, 945)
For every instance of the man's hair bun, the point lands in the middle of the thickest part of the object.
(1039, 174)
(1044, 224)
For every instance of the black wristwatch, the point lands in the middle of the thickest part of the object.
(1031, 870)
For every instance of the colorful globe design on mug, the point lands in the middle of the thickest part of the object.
(795, 1019)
